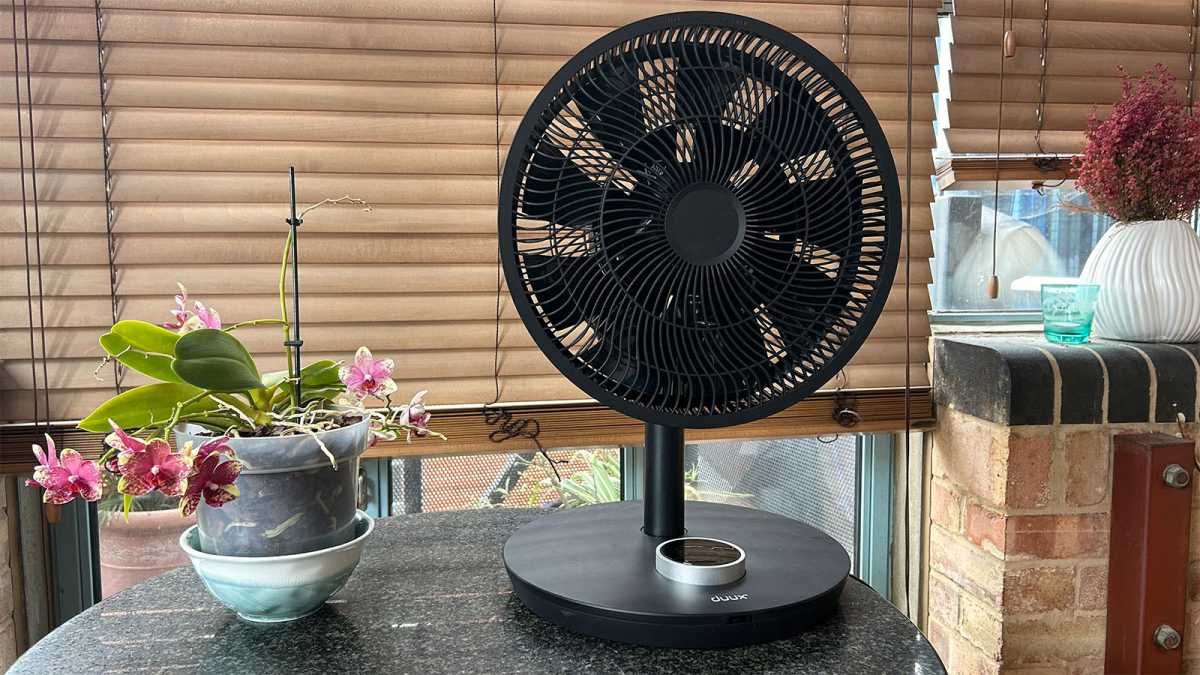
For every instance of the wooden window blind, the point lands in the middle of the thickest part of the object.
(1085, 41)
(393, 102)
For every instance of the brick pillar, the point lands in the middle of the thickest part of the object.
(1020, 495)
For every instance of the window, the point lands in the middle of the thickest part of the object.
(841, 485)
(419, 485)
(1040, 234)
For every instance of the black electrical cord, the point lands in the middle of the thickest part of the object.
(506, 426)
(908, 137)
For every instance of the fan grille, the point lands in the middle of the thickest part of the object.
(698, 219)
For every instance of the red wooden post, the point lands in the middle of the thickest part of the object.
(1148, 553)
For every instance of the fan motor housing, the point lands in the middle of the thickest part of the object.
(705, 223)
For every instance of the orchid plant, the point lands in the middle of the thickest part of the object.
(205, 376)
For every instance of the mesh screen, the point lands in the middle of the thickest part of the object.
(475, 481)
(803, 478)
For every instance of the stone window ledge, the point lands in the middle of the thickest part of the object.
(1021, 380)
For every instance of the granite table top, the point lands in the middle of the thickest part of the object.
(431, 596)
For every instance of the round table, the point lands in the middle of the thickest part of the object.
(431, 595)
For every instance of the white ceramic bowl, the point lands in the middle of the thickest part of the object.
(278, 588)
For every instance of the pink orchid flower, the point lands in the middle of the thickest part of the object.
(46, 460)
(145, 465)
(368, 376)
(416, 416)
(211, 480)
(187, 320)
(219, 445)
(123, 443)
(65, 476)
(154, 468)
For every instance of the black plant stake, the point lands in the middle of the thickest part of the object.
(294, 342)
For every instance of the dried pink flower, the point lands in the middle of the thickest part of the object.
(1143, 161)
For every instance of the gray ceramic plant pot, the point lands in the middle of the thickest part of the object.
(292, 499)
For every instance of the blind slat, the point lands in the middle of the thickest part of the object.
(354, 97)
(170, 124)
(82, 313)
(785, 14)
(433, 368)
(1170, 12)
(517, 35)
(1075, 34)
(234, 279)
(867, 66)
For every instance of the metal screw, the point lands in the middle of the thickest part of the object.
(1167, 637)
(1176, 476)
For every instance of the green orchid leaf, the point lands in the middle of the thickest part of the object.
(321, 373)
(157, 366)
(146, 405)
(215, 360)
(325, 393)
(274, 378)
(146, 336)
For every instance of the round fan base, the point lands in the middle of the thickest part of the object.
(591, 570)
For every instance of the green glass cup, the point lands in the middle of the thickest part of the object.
(1067, 312)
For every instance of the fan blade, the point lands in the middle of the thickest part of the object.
(654, 155)
(797, 123)
(740, 347)
(610, 101)
(705, 81)
(719, 149)
(626, 377)
(813, 304)
(835, 222)
(824, 213)
(551, 279)
(557, 189)
(771, 202)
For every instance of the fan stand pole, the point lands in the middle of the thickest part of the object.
(664, 482)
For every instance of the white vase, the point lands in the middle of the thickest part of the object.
(1149, 276)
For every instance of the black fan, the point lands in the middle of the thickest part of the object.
(699, 224)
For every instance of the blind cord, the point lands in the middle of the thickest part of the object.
(106, 156)
(25, 213)
(1005, 26)
(26, 199)
(505, 425)
(846, 37)
(1192, 34)
(1040, 112)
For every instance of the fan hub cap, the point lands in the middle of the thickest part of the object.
(705, 223)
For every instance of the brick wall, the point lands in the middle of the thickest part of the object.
(1019, 502)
